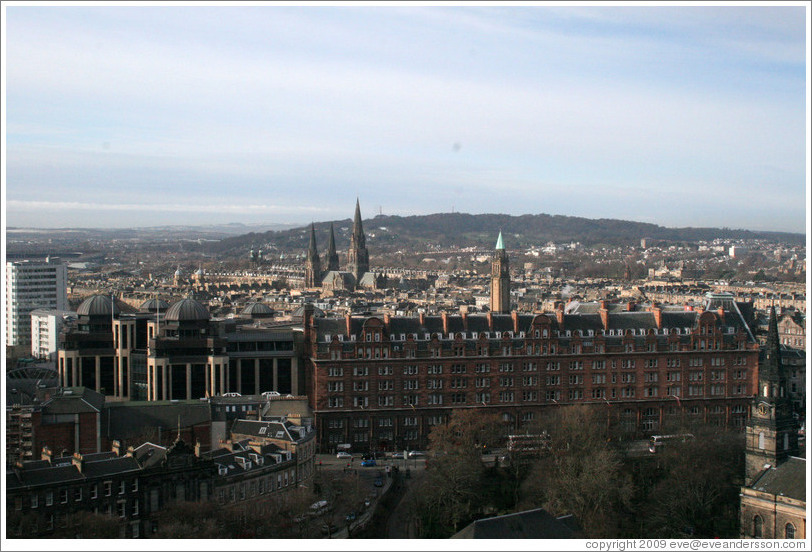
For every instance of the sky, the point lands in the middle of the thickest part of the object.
(131, 116)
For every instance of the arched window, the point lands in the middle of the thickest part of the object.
(789, 531)
(758, 525)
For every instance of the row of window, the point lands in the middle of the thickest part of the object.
(257, 486)
(77, 494)
(625, 364)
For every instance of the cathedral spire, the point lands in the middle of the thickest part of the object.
(358, 256)
(358, 227)
(312, 264)
(332, 255)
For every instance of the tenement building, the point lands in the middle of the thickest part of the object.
(381, 383)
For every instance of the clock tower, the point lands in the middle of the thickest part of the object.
(771, 435)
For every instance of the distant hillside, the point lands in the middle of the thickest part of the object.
(387, 233)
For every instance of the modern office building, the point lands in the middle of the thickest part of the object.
(32, 285)
(177, 352)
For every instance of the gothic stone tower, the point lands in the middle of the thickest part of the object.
(313, 264)
(332, 257)
(771, 435)
(358, 256)
(500, 279)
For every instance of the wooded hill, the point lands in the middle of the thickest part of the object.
(422, 232)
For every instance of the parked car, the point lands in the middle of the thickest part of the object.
(351, 517)
(368, 462)
(367, 502)
(343, 454)
(416, 454)
(378, 482)
(397, 455)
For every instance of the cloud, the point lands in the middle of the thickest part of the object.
(284, 105)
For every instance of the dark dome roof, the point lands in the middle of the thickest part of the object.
(187, 310)
(317, 312)
(152, 305)
(100, 304)
(257, 309)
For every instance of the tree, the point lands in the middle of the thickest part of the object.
(451, 492)
(697, 492)
(582, 475)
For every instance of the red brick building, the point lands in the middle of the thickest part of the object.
(381, 383)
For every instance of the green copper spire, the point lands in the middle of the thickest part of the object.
(499, 243)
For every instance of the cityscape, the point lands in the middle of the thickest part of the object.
(391, 341)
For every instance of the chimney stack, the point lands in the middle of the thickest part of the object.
(559, 313)
(490, 321)
(47, 454)
(464, 316)
(116, 447)
(78, 461)
(604, 312)
(515, 316)
(348, 319)
(444, 317)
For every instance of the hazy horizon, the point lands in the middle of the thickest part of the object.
(291, 225)
(139, 116)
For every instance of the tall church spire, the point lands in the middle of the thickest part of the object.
(332, 256)
(358, 256)
(313, 264)
(771, 435)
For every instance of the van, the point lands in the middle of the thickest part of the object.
(319, 507)
(658, 441)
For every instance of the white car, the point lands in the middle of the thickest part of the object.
(416, 454)
(343, 454)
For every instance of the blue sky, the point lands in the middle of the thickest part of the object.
(140, 116)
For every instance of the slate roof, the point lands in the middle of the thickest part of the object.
(109, 466)
(531, 524)
(618, 320)
(149, 454)
(787, 479)
(74, 400)
(254, 428)
(128, 419)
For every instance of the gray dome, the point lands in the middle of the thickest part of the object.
(153, 305)
(102, 305)
(187, 310)
(257, 310)
(317, 312)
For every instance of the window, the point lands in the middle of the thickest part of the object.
(63, 496)
(761, 440)
(34, 501)
(758, 527)
(335, 372)
(78, 494)
(135, 485)
(49, 498)
(789, 531)
(108, 488)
